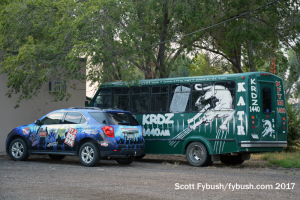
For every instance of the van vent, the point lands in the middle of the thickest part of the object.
(57, 86)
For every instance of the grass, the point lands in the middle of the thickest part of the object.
(283, 159)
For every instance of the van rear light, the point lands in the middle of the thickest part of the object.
(283, 118)
(252, 117)
(109, 131)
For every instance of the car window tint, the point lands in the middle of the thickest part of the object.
(73, 118)
(54, 118)
(83, 120)
(122, 119)
(100, 117)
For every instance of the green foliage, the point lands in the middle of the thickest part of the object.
(292, 76)
(180, 67)
(293, 132)
(46, 39)
(38, 39)
(202, 66)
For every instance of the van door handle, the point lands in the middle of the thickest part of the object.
(273, 112)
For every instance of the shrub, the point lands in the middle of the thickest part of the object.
(293, 133)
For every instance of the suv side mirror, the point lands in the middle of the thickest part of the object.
(38, 122)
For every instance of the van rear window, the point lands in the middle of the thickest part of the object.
(267, 102)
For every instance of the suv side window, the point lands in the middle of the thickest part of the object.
(74, 118)
(54, 118)
(100, 117)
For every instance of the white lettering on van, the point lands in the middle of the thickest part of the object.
(241, 87)
(253, 88)
(254, 105)
(156, 132)
(241, 102)
(253, 95)
(158, 119)
(241, 130)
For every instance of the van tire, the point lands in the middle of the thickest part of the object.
(197, 154)
(18, 150)
(231, 160)
(125, 161)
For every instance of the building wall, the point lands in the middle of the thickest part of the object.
(31, 110)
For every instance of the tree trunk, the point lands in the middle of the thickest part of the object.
(162, 68)
(250, 57)
(235, 59)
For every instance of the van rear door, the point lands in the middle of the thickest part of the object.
(267, 102)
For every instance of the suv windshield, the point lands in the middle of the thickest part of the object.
(115, 118)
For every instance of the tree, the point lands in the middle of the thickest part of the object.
(45, 39)
(291, 77)
(39, 44)
(180, 67)
(247, 41)
(293, 133)
(202, 65)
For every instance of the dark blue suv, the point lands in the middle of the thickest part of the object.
(88, 132)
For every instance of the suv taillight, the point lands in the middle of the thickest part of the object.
(109, 131)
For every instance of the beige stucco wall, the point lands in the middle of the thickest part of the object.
(33, 109)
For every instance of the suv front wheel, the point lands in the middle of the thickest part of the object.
(89, 154)
(18, 150)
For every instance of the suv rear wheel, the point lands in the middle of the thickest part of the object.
(18, 150)
(125, 161)
(89, 154)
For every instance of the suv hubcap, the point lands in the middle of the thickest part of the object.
(17, 150)
(87, 154)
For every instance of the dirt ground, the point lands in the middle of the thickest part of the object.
(153, 177)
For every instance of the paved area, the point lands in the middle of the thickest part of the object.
(154, 177)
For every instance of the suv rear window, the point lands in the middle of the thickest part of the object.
(115, 118)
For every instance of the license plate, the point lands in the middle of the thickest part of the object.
(130, 136)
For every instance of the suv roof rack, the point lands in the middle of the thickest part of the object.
(91, 108)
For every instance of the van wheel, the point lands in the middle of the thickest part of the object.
(56, 157)
(197, 154)
(18, 150)
(140, 157)
(231, 160)
(89, 154)
(125, 161)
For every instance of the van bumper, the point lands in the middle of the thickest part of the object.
(262, 144)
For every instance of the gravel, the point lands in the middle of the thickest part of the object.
(154, 177)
